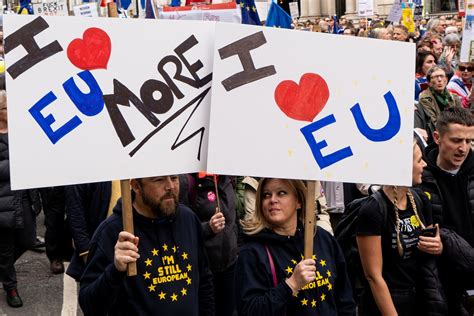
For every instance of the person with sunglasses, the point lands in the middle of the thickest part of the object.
(460, 84)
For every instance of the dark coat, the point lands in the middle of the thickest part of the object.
(329, 294)
(11, 208)
(456, 263)
(172, 263)
(86, 207)
(221, 248)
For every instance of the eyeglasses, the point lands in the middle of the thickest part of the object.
(438, 77)
(464, 68)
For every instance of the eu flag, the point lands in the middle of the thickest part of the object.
(278, 17)
(249, 12)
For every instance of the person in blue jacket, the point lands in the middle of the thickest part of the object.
(271, 276)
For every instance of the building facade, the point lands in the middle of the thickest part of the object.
(312, 8)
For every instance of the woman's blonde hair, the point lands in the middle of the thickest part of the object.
(254, 223)
(411, 200)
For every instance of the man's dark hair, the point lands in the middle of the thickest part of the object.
(454, 115)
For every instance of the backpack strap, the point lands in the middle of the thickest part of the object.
(272, 266)
(382, 204)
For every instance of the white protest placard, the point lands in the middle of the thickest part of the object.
(100, 99)
(294, 10)
(51, 8)
(86, 10)
(365, 8)
(467, 45)
(222, 12)
(262, 9)
(283, 112)
(395, 12)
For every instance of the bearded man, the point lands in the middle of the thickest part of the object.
(173, 276)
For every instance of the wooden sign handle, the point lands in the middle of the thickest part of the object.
(112, 10)
(127, 218)
(309, 219)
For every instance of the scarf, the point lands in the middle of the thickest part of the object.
(442, 99)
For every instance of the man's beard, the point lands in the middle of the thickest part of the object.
(161, 209)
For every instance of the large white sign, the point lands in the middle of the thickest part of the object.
(99, 99)
(311, 106)
(467, 47)
(365, 8)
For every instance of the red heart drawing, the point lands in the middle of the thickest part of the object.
(304, 101)
(92, 52)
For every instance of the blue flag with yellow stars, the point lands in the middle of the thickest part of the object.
(249, 12)
(277, 17)
(25, 7)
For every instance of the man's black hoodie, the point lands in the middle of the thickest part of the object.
(173, 273)
(451, 195)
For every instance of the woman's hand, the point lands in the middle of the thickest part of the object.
(449, 53)
(431, 245)
(305, 272)
(217, 222)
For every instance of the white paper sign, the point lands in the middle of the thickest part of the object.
(294, 11)
(86, 10)
(262, 9)
(102, 99)
(51, 8)
(467, 45)
(283, 112)
(231, 13)
(395, 13)
(366, 8)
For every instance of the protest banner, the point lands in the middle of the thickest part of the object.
(418, 12)
(467, 45)
(395, 12)
(101, 99)
(365, 8)
(137, 104)
(222, 12)
(294, 10)
(408, 19)
(51, 8)
(311, 113)
(86, 10)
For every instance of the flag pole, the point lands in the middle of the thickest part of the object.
(309, 219)
(127, 215)
(127, 218)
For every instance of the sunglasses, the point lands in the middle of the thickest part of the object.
(464, 68)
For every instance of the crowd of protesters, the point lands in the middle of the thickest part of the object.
(218, 245)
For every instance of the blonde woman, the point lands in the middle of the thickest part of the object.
(397, 258)
(271, 276)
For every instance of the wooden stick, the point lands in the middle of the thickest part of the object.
(127, 218)
(217, 193)
(309, 219)
(112, 10)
